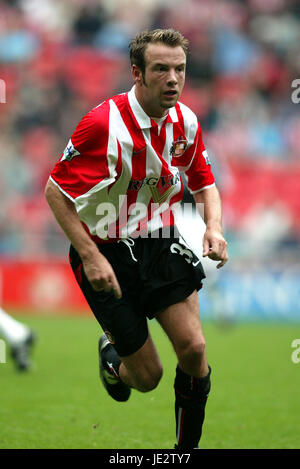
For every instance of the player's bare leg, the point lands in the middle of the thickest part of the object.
(142, 370)
(182, 324)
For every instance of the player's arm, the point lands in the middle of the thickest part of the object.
(97, 268)
(214, 243)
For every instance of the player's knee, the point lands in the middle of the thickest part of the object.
(193, 351)
(149, 379)
(199, 347)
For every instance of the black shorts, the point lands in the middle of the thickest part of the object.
(153, 273)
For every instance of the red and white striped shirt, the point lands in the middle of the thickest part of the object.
(121, 169)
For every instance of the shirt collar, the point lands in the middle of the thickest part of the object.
(142, 118)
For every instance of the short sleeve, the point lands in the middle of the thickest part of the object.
(198, 173)
(83, 164)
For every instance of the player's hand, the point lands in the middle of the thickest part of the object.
(215, 247)
(100, 274)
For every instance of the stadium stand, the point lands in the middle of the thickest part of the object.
(59, 59)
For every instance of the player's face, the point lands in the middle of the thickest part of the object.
(160, 87)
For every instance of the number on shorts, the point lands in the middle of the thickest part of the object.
(186, 253)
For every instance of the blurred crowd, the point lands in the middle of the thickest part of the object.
(60, 58)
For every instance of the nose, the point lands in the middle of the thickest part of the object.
(172, 77)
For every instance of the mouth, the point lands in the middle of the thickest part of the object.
(170, 93)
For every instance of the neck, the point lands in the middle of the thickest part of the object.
(148, 107)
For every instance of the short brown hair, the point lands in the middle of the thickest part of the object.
(138, 45)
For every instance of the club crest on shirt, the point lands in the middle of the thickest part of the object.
(178, 146)
(70, 151)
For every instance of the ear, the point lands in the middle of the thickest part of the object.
(136, 74)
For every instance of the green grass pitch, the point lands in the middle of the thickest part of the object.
(254, 402)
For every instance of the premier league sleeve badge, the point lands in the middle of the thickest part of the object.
(69, 152)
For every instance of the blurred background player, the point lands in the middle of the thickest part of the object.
(19, 337)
